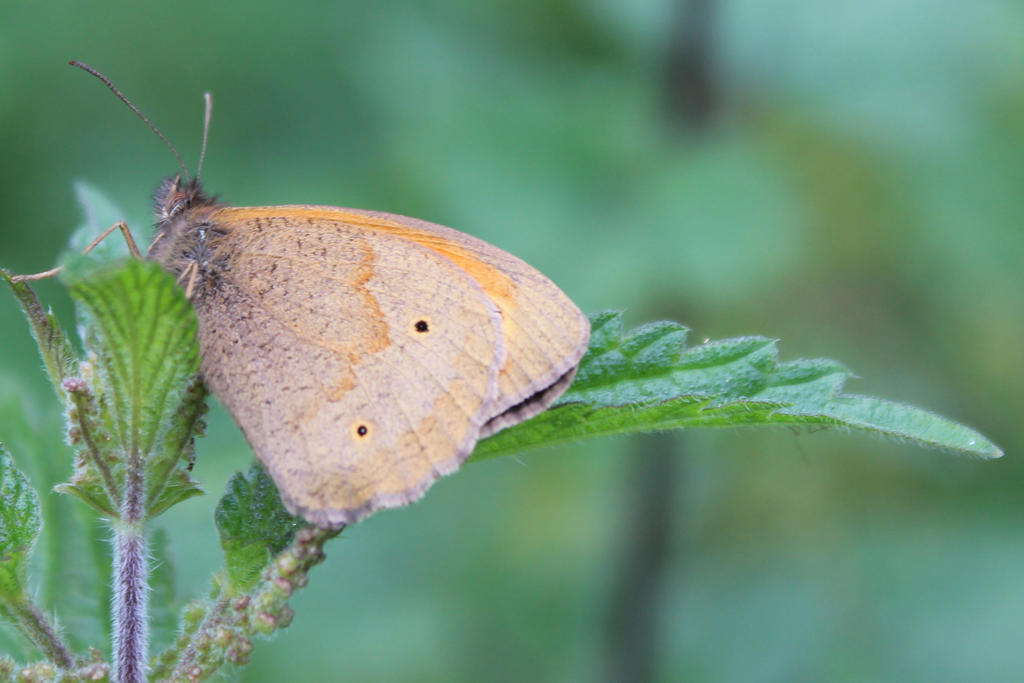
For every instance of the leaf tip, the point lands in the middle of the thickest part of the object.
(988, 450)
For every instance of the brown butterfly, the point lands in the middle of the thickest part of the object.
(363, 354)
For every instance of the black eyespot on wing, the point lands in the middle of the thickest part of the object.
(360, 429)
(422, 326)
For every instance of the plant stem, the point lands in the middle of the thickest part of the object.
(225, 634)
(187, 666)
(131, 575)
(35, 626)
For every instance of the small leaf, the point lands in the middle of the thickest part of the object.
(90, 491)
(180, 486)
(19, 525)
(648, 381)
(94, 477)
(253, 525)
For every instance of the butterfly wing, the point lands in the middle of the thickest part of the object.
(363, 354)
(360, 367)
(545, 333)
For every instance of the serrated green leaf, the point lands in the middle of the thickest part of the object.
(648, 381)
(143, 336)
(141, 339)
(253, 525)
(19, 525)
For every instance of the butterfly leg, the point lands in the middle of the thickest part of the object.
(120, 225)
(128, 238)
(191, 272)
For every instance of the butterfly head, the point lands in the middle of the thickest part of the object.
(182, 225)
(174, 197)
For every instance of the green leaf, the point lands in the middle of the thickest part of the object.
(19, 526)
(87, 487)
(178, 487)
(61, 578)
(170, 468)
(94, 477)
(253, 525)
(54, 347)
(141, 340)
(142, 332)
(649, 381)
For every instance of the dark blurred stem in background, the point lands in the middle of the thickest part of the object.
(692, 93)
(654, 484)
(634, 638)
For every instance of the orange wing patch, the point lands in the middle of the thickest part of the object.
(497, 285)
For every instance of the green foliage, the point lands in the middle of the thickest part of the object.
(71, 560)
(141, 343)
(212, 635)
(253, 526)
(648, 381)
(134, 400)
(133, 405)
(19, 525)
(847, 178)
(137, 392)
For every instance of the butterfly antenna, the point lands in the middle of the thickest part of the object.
(206, 133)
(120, 96)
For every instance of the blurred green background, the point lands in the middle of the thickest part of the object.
(843, 176)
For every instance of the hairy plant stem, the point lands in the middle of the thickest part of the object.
(226, 631)
(130, 581)
(187, 667)
(34, 625)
